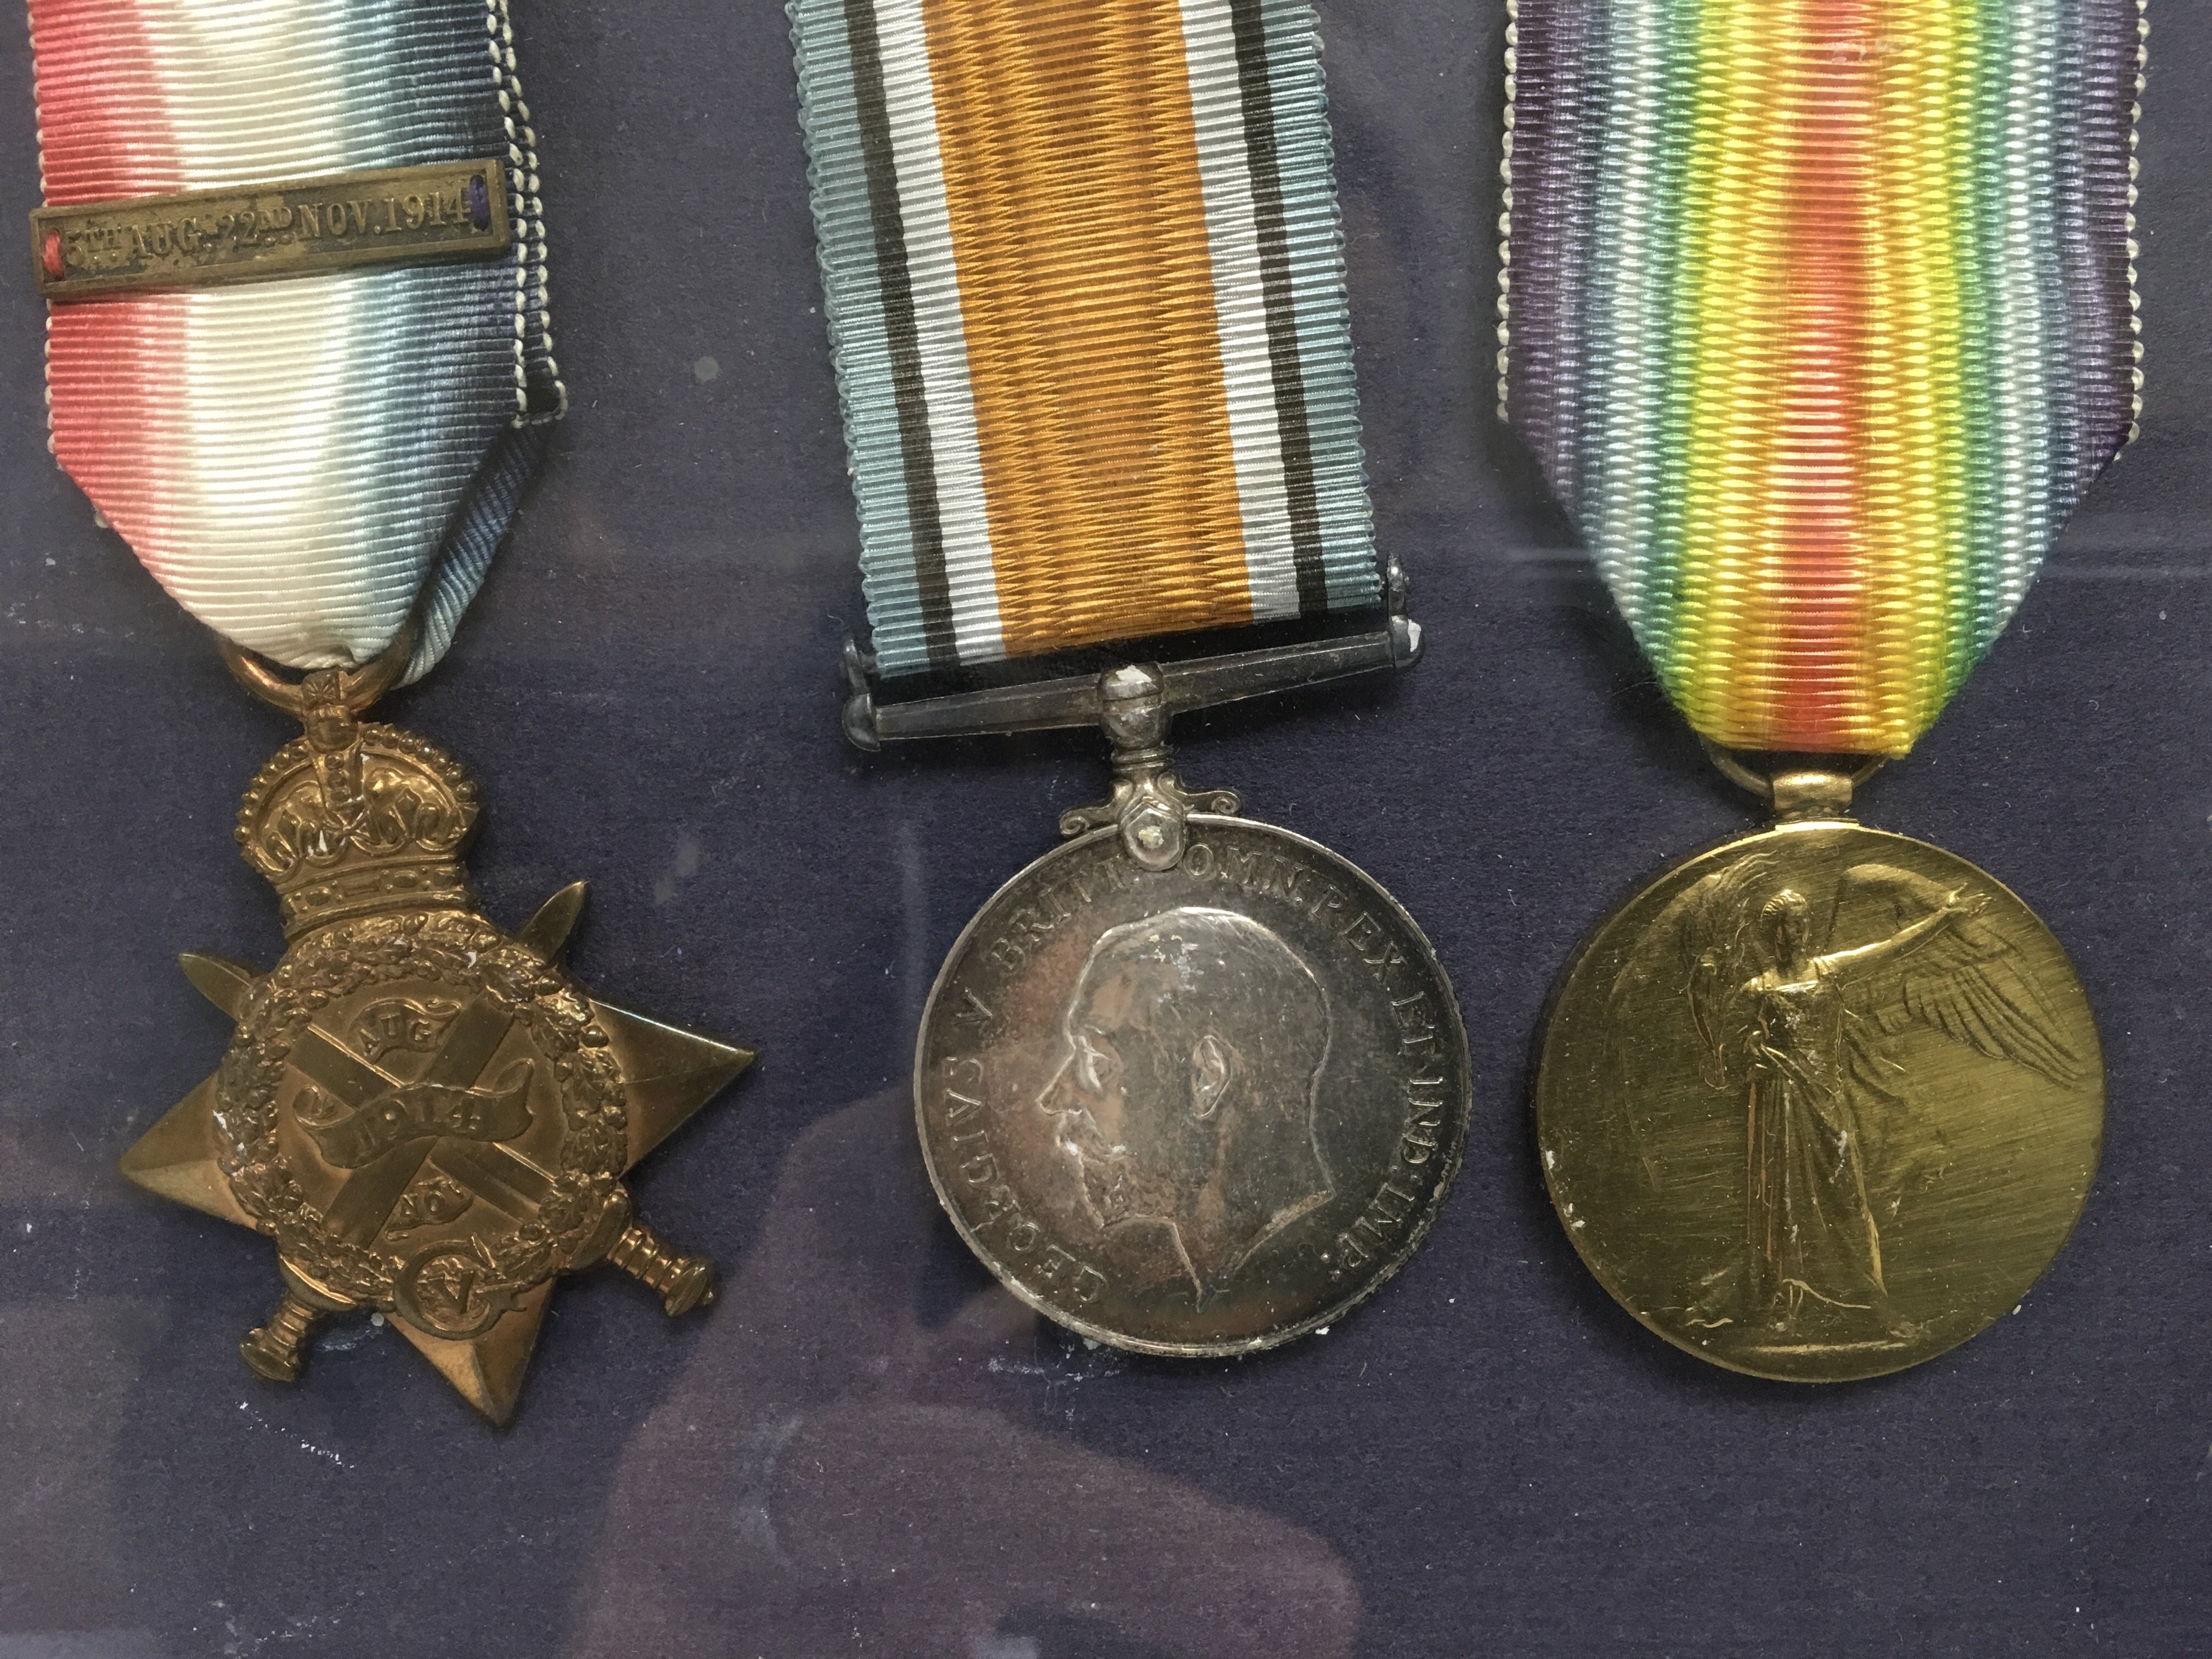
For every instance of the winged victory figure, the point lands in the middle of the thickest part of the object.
(1803, 1032)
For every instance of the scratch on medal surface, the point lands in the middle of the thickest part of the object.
(307, 1446)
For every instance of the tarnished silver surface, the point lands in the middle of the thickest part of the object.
(1195, 1110)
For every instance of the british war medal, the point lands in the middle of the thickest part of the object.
(1190, 1085)
(299, 359)
(1821, 318)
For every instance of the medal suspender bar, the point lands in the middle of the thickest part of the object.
(1821, 319)
(1190, 1085)
(299, 359)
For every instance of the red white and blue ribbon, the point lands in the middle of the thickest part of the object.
(297, 460)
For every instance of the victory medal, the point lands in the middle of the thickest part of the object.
(343, 322)
(1821, 320)
(1821, 1102)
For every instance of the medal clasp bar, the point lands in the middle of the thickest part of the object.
(285, 228)
(1133, 703)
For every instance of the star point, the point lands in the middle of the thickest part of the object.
(488, 1370)
(668, 1073)
(176, 1159)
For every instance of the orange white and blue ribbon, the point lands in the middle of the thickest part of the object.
(1086, 292)
(1820, 318)
(296, 460)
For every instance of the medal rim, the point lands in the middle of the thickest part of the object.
(1451, 1154)
(1548, 1032)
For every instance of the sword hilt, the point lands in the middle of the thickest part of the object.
(277, 1349)
(684, 1282)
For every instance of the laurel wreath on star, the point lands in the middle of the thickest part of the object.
(463, 953)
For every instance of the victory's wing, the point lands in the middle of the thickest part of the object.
(1699, 953)
(1713, 928)
(1963, 980)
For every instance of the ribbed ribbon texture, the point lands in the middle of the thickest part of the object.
(296, 459)
(1820, 318)
(1086, 292)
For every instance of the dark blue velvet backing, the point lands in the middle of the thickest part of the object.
(868, 1449)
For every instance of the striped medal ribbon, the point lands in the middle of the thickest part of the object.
(296, 460)
(298, 357)
(1087, 293)
(1821, 319)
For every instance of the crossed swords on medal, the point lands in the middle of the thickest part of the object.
(488, 1170)
(668, 1075)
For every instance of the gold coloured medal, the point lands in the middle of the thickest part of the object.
(1821, 1102)
(1820, 333)
(421, 1109)
(427, 1115)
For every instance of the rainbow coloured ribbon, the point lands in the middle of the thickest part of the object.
(1085, 287)
(295, 461)
(1821, 318)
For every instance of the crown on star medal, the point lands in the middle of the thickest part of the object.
(353, 818)
(391, 1148)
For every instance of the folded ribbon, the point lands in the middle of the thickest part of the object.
(1085, 286)
(296, 459)
(1821, 321)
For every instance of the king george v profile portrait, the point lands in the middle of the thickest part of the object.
(1194, 1044)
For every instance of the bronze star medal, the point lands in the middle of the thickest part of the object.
(430, 1118)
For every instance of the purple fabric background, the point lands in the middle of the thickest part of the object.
(868, 1448)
